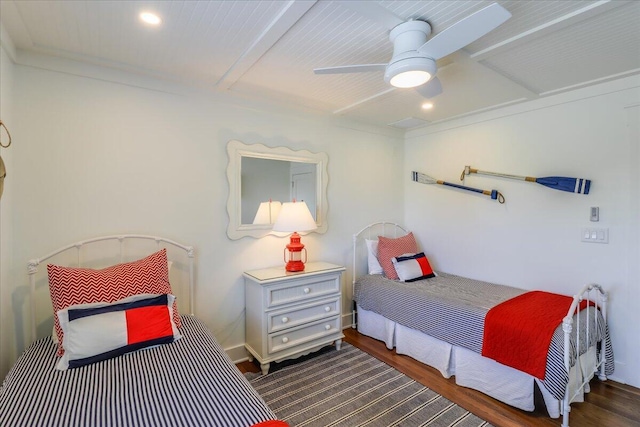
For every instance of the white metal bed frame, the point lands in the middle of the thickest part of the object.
(32, 265)
(370, 229)
(591, 292)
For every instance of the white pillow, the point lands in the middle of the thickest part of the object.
(98, 331)
(372, 257)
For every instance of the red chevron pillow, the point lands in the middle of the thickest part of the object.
(389, 248)
(70, 286)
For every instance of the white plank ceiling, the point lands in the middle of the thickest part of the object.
(268, 49)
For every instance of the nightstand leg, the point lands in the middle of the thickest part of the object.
(265, 368)
(250, 357)
(338, 344)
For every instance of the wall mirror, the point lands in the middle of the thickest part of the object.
(260, 177)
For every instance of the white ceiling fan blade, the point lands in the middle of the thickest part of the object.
(465, 31)
(431, 88)
(375, 12)
(362, 68)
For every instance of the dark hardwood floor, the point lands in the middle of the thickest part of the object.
(610, 404)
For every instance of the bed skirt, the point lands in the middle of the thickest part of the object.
(470, 369)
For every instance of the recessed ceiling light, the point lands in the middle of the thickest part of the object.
(150, 18)
(427, 106)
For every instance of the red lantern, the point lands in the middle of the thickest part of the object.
(294, 217)
(294, 260)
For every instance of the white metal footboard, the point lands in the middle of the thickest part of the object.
(593, 293)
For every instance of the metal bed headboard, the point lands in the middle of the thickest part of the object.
(371, 231)
(32, 265)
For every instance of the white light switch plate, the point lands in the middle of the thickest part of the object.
(595, 235)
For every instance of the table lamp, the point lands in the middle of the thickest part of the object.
(294, 216)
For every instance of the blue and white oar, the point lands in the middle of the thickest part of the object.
(426, 179)
(572, 185)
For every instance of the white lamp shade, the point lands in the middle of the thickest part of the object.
(267, 212)
(294, 216)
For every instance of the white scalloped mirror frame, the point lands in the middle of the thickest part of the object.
(236, 151)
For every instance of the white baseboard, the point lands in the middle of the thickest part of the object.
(347, 320)
(619, 373)
(237, 354)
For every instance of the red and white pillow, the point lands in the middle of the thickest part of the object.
(99, 331)
(412, 267)
(70, 286)
(389, 248)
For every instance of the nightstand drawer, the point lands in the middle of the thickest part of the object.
(301, 314)
(293, 337)
(303, 290)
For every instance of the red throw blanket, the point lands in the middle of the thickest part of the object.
(271, 423)
(518, 332)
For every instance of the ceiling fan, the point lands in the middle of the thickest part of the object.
(413, 63)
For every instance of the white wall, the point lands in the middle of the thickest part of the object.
(97, 157)
(533, 240)
(6, 239)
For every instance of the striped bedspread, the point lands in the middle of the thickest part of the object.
(190, 382)
(452, 309)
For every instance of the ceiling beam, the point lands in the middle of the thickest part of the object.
(462, 57)
(362, 101)
(292, 11)
(562, 22)
(12, 23)
(7, 43)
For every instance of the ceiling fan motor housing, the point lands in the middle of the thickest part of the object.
(409, 36)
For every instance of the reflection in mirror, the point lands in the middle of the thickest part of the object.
(278, 181)
(261, 178)
(267, 212)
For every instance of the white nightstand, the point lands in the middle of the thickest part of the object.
(292, 314)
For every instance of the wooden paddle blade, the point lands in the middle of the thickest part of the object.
(572, 185)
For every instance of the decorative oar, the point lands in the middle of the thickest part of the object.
(572, 185)
(426, 179)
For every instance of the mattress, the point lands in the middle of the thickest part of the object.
(452, 309)
(191, 382)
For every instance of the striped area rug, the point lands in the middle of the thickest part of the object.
(351, 388)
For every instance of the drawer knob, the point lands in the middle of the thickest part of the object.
(327, 309)
(307, 290)
(327, 327)
(285, 319)
(285, 340)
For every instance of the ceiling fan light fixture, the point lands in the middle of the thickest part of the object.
(410, 79)
(410, 72)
